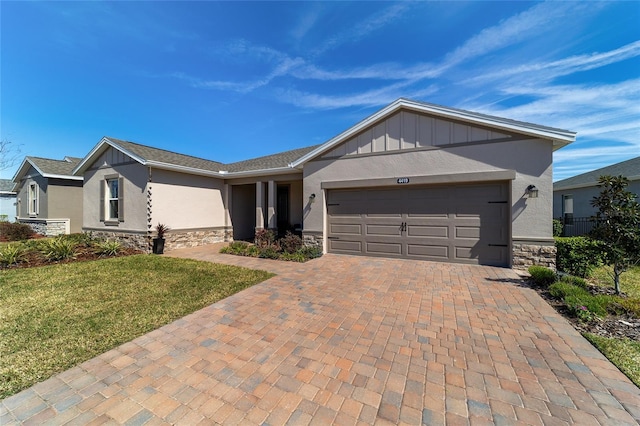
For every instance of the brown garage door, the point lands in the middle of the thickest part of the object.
(455, 223)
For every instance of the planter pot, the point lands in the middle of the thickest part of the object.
(158, 245)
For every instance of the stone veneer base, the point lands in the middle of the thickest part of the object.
(194, 238)
(527, 254)
(47, 227)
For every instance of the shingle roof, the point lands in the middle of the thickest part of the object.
(54, 167)
(282, 159)
(627, 168)
(148, 153)
(6, 185)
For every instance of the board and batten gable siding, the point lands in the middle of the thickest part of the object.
(134, 178)
(531, 159)
(32, 175)
(65, 202)
(185, 201)
(409, 130)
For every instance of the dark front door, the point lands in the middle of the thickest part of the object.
(282, 208)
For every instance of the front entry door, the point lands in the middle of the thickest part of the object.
(282, 208)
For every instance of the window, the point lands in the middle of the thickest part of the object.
(33, 199)
(111, 200)
(567, 209)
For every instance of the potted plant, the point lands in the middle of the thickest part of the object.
(158, 241)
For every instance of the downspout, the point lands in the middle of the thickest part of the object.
(149, 211)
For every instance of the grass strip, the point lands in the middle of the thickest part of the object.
(55, 317)
(623, 353)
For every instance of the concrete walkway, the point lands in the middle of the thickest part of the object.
(348, 340)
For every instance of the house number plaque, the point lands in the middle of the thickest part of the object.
(403, 180)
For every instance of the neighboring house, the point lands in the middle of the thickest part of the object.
(572, 196)
(49, 196)
(7, 200)
(414, 180)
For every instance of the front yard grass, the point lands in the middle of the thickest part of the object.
(55, 317)
(629, 280)
(623, 353)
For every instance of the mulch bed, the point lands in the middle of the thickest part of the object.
(83, 254)
(618, 326)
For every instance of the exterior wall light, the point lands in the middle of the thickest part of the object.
(532, 191)
(312, 198)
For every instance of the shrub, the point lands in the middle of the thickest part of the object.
(14, 231)
(542, 277)
(59, 248)
(290, 243)
(12, 254)
(108, 248)
(236, 247)
(578, 256)
(577, 281)
(557, 228)
(293, 257)
(576, 297)
(265, 238)
(269, 253)
(310, 252)
(85, 239)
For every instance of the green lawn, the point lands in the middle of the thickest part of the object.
(623, 353)
(55, 317)
(629, 280)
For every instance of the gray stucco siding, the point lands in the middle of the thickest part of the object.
(23, 194)
(531, 159)
(135, 177)
(65, 202)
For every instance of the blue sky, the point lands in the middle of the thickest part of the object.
(235, 80)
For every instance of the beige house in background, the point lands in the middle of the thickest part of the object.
(49, 195)
(414, 180)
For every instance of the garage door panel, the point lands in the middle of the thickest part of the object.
(428, 231)
(343, 246)
(374, 230)
(349, 229)
(384, 248)
(428, 252)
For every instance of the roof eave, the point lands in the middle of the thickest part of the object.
(559, 137)
(260, 172)
(22, 170)
(588, 184)
(182, 169)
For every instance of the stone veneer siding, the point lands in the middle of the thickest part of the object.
(47, 227)
(133, 240)
(526, 254)
(196, 237)
(313, 239)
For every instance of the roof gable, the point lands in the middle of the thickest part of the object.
(472, 120)
(629, 168)
(48, 168)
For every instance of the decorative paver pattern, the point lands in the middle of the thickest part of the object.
(348, 340)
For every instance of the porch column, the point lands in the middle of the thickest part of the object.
(271, 205)
(259, 206)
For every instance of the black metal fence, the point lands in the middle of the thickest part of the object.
(576, 226)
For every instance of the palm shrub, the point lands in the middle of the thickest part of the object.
(59, 248)
(108, 248)
(12, 254)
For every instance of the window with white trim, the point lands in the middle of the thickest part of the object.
(33, 199)
(112, 199)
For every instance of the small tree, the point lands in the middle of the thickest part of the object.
(617, 225)
(9, 154)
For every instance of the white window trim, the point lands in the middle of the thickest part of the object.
(34, 199)
(108, 199)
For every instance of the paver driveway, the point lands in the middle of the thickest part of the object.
(348, 340)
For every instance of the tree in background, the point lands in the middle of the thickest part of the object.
(617, 225)
(9, 154)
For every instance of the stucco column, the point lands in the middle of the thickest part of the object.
(259, 206)
(271, 205)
